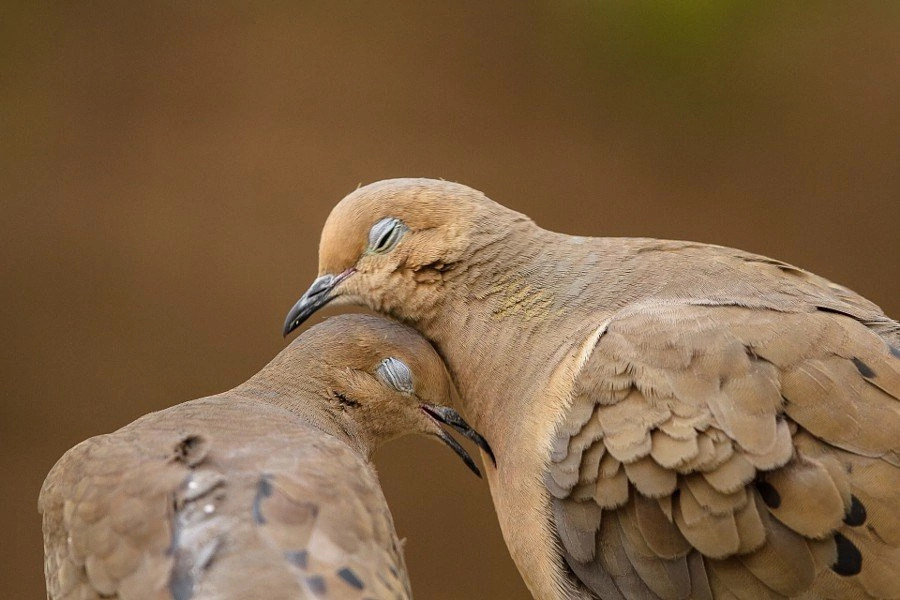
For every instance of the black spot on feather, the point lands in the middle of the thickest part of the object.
(344, 400)
(350, 577)
(769, 494)
(856, 514)
(864, 369)
(849, 560)
(316, 585)
(894, 350)
(299, 558)
(263, 490)
(191, 450)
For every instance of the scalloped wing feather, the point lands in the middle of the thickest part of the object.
(763, 444)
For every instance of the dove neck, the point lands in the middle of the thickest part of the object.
(505, 323)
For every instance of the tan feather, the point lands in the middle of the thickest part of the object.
(706, 458)
(701, 588)
(579, 413)
(669, 579)
(879, 420)
(799, 335)
(612, 492)
(671, 452)
(626, 426)
(629, 445)
(614, 560)
(123, 561)
(590, 462)
(658, 530)
(832, 586)
(565, 473)
(880, 575)
(750, 525)
(556, 490)
(875, 483)
(649, 478)
(577, 524)
(681, 428)
(712, 500)
(782, 449)
(590, 432)
(609, 466)
(714, 536)
(595, 579)
(838, 475)
(583, 491)
(795, 485)
(817, 400)
(732, 579)
(747, 406)
(784, 563)
(731, 475)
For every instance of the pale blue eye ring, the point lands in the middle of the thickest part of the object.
(395, 373)
(385, 234)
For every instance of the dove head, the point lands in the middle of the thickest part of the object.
(373, 380)
(392, 246)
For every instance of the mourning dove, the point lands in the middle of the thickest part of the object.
(264, 491)
(670, 419)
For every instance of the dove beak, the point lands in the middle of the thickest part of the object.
(450, 417)
(320, 293)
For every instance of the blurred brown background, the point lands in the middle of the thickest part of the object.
(167, 167)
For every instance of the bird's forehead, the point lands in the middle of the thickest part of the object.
(343, 239)
(420, 204)
(359, 210)
(364, 340)
(345, 233)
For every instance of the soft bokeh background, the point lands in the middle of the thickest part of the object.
(167, 166)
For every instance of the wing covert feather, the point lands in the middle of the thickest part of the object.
(735, 452)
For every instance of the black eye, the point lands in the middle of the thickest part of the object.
(385, 234)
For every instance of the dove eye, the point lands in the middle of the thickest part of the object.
(395, 373)
(385, 234)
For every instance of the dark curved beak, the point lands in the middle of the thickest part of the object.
(318, 295)
(450, 417)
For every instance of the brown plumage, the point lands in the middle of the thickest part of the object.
(264, 491)
(670, 419)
